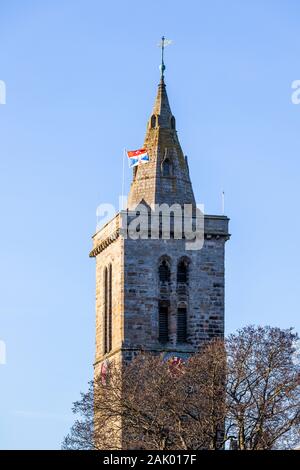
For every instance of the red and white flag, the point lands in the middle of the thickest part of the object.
(137, 157)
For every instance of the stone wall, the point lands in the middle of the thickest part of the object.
(205, 294)
(136, 293)
(113, 255)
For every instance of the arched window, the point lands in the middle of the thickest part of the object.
(166, 167)
(181, 324)
(153, 121)
(173, 123)
(109, 341)
(107, 324)
(182, 272)
(164, 272)
(163, 321)
(182, 298)
(105, 319)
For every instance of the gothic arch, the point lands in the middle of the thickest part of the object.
(173, 122)
(166, 167)
(153, 121)
(164, 279)
(107, 314)
(166, 258)
(164, 272)
(183, 270)
(164, 265)
(110, 284)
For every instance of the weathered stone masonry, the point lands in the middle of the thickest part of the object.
(139, 296)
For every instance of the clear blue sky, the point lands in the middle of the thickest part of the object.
(81, 78)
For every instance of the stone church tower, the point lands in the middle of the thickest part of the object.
(154, 294)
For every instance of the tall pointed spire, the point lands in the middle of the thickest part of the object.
(165, 179)
(161, 106)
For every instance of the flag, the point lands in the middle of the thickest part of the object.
(137, 156)
(175, 365)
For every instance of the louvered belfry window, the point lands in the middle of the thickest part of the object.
(163, 319)
(166, 168)
(164, 272)
(182, 273)
(183, 300)
(181, 325)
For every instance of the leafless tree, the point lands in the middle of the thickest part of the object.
(263, 389)
(154, 404)
(245, 390)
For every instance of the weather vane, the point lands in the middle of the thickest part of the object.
(162, 44)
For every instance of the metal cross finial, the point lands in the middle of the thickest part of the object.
(162, 44)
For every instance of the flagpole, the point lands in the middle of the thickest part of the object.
(223, 202)
(123, 178)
